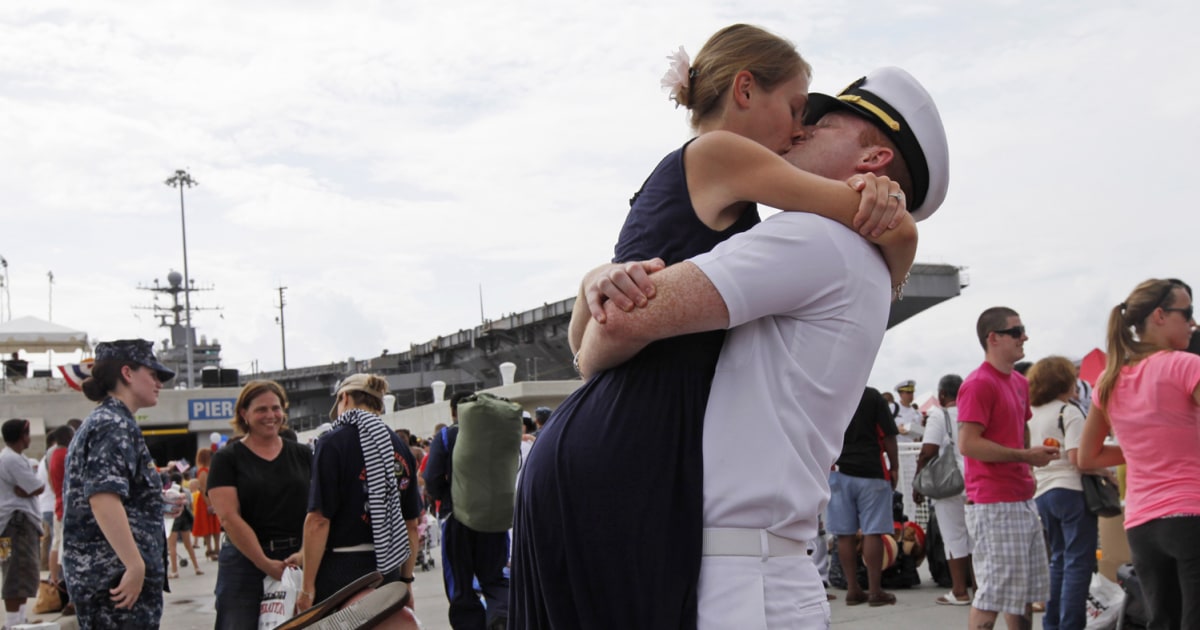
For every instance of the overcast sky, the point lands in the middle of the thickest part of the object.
(383, 160)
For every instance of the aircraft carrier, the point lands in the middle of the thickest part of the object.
(534, 340)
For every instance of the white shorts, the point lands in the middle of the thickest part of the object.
(58, 535)
(952, 522)
(749, 593)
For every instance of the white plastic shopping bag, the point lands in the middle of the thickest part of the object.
(1105, 603)
(279, 599)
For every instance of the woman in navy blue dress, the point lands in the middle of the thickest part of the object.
(607, 529)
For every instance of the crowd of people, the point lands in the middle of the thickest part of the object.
(344, 508)
(1028, 436)
(1021, 534)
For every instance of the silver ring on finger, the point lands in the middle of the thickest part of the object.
(898, 196)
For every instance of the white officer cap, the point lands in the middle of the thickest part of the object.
(896, 103)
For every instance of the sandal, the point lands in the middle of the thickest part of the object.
(330, 604)
(369, 611)
(852, 600)
(950, 599)
(173, 576)
(884, 599)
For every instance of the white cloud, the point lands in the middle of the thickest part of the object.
(383, 161)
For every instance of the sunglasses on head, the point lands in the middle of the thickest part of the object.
(1166, 294)
(1016, 332)
(1171, 284)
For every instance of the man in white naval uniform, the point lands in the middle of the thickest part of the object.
(908, 420)
(807, 303)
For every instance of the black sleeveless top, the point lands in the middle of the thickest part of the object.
(609, 514)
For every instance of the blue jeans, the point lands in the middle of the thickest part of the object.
(240, 587)
(1072, 534)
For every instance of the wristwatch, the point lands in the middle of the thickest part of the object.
(407, 580)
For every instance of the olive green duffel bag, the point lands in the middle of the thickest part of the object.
(486, 457)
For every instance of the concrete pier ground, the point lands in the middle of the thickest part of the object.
(190, 605)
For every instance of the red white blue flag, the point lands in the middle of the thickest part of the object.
(75, 373)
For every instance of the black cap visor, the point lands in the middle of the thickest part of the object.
(876, 111)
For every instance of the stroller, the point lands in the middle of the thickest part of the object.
(427, 531)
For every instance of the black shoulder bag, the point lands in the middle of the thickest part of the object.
(1101, 495)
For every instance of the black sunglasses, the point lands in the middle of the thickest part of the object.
(1016, 332)
(1187, 312)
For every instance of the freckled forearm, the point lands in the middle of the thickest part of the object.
(685, 302)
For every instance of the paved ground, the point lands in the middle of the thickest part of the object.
(190, 605)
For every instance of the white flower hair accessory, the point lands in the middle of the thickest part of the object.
(678, 76)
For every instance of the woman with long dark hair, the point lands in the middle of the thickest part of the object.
(1149, 396)
(113, 539)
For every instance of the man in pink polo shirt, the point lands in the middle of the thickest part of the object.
(993, 405)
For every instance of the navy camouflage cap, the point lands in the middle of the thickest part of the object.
(138, 351)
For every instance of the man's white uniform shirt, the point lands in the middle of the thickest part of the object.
(910, 419)
(808, 302)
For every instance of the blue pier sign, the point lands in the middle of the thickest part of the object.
(211, 408)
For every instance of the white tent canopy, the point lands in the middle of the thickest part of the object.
(35, 335)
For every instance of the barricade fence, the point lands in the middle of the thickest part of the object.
(908, 451)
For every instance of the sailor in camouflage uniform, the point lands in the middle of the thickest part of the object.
(113, 537)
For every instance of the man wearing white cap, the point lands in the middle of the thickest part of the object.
(807, 304)
(908, 420)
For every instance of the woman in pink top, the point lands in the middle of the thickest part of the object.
(1149, 395)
